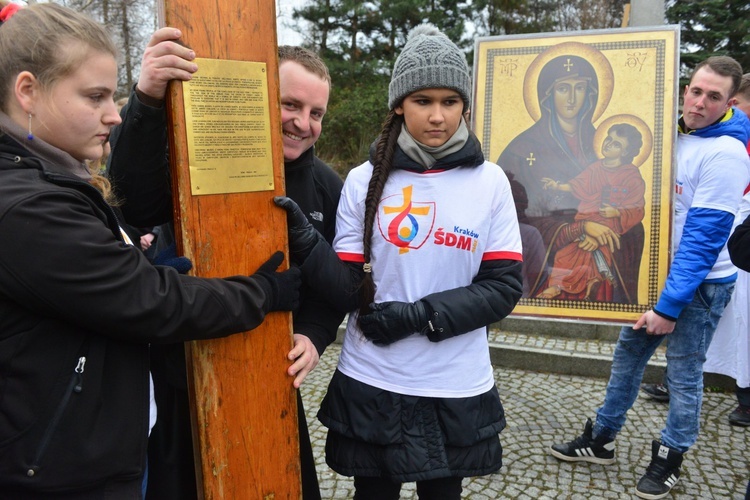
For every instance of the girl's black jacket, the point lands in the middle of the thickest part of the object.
(78, 309)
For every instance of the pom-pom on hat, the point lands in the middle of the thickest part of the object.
(429, 60)
(8, 11)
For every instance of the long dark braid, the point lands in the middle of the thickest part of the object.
(382, 166)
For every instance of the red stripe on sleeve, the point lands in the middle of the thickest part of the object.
(351, 257)
(503, 256)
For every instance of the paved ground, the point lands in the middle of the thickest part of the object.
(542, 409)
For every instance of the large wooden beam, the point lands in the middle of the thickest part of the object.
(243, 403)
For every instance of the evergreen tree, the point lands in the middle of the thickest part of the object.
(508, 17)
(711, 27)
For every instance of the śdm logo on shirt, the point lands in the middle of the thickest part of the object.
(404, 222)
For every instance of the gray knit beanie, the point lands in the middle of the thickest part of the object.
(429, 60)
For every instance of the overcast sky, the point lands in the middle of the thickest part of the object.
(285, 35)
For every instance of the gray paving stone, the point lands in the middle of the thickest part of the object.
(542, 409)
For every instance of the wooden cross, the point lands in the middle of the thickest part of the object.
(243, 403)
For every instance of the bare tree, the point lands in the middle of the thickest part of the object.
(131, 23)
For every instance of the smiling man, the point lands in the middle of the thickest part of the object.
(304, 85)
(712, 171)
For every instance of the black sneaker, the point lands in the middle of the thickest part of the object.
(657, 392)
(662, 473)
(585, 448)
(740, 416)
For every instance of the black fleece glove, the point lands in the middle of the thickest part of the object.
(282, 288)
(302, 235)
(392, 321)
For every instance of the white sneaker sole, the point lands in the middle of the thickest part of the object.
(649, 496)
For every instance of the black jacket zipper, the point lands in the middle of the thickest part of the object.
(74, 387)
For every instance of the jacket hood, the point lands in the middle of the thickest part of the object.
(734, 123)
(13, 155)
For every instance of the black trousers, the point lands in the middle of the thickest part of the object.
(310, 486)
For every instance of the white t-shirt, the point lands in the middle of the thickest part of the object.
(432, 231)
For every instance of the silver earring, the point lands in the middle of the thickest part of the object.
(30, 136)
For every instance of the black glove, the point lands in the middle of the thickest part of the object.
(302, 235)
(282, 288)
(392, 321)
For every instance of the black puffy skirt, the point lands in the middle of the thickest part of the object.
(377, 433)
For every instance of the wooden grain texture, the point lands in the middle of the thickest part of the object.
(243, 402)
